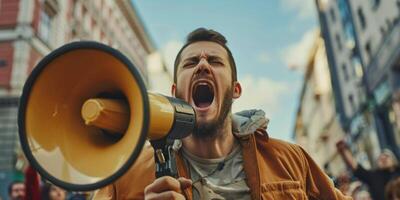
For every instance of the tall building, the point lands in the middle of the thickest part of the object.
(377, 25)
(317, 127)
(30, 29)
(363, 48)
(115, 23)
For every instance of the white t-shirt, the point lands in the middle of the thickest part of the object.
(221, 178)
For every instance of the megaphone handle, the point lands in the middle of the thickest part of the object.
(163, 155)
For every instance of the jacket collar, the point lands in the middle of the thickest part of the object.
(244, 123)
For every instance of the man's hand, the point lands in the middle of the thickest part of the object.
(345, 153)
(341, 145)
(167, 187)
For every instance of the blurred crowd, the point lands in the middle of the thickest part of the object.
(375, 184)
(382, 183)
(34, 188)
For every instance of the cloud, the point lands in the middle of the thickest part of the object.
(169, 52)
(263, 57)
(295, 55)
(261, 93)
(304, 8)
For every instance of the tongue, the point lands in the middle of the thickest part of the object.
(203, 105)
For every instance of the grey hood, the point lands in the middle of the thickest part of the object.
(248, 122)
(244, 123)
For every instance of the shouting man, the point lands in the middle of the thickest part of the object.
(227, 156)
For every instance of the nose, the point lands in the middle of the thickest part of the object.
(203, 67)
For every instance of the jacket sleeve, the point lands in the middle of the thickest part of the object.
(131, 185)
(318, 185)
(106, 193)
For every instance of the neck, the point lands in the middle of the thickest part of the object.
(217, 146)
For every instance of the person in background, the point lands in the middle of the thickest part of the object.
(388, 168)
(80, 196)
(32, 184)
(342, 182)
(392, 190)
(16, 190)
(52, 192)
(358, 191)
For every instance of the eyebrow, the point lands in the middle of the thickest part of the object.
(197, 57)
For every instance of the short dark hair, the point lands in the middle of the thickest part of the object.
(11, 185)
(392, 189)
(203, 34)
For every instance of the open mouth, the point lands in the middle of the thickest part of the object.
(203, 95)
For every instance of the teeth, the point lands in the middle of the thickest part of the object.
(204, 83)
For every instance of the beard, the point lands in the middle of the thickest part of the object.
(211, 129)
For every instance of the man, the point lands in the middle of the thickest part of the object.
(388, 169)
(226, 157)
(16, 190)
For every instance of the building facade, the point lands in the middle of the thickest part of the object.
(362, 45)
(30, 29)
(377, 24)
(317, 126)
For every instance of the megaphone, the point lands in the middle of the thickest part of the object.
(85, 115)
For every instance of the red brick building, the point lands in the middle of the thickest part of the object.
(30, 29)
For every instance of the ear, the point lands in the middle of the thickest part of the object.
(237, 90)
(173, 89)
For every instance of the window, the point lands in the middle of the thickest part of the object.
(383, 33)
(368, 49)
(339, 44)
(375, 3)
(349, 35)
(361, 17)
(44, 26)
(78, 10)
(352, 103)
(87, 22)
(345, 74)
(343, 9)
(3, 63)
(357, 67)
(389, 24)
(333, 15)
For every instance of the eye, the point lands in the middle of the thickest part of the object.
(189, 64)
(216, 62)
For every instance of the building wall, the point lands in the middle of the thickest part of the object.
(373, 21)
(30, 29)
(377, 25)
(9, 13)
(364, 38)
(6, 62)
(349, 70)
(162, 78)
(318, 129)
(112, 23)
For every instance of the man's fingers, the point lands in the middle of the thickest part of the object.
(167, 187)
(162, 184)
(184, 182)
(165, 195)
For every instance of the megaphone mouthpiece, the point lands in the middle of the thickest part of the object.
(108, 114)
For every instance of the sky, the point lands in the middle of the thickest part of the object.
(269, 40)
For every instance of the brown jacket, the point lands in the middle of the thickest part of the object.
(275, 170)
